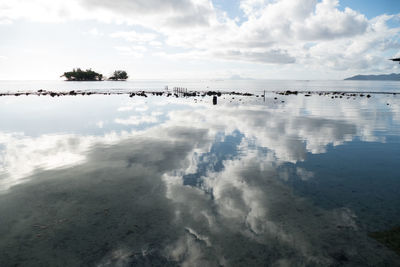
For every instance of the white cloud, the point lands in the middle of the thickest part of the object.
(156, 43)
(252, 8)
(329, 23)
(172, 13)
(304, 174)
(95, 32)
(5, 21)
(272, 32)
(125, 108)
(135, 50)
(136, 120)
(269, 56)
(249, 201)
(133, 36)
(23, 155)
(280, 32)
(249, 206)
(39, 10)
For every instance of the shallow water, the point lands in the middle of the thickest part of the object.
(118, 181)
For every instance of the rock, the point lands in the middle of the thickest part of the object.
(288, 92)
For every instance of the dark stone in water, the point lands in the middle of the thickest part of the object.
(291, 92)
(210, 93)
(142, 94)
(189, 94)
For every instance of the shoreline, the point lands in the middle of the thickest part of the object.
(182, 92)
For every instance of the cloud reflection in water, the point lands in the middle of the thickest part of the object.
(120, 197)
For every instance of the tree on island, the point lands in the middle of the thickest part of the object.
(82, 75)
(119, 75)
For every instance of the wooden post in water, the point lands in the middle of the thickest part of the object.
(214, 100)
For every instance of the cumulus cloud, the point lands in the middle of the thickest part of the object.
(308, 32)
(248, 201)
(272, 56)
(174, 13)
(315, 34)
(327, 22)
(23, 155)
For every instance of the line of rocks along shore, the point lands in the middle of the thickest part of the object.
(131, 94)
(332, 94)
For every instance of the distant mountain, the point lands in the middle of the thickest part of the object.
(382, 77)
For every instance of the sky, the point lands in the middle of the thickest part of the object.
(199, 39)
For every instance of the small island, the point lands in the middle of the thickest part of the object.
(82, 75)
(119, 75)
(90, 75)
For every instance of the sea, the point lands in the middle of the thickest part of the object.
(267, 179)
(252, 86)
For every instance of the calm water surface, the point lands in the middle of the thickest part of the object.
(118, 181)
(254, 86)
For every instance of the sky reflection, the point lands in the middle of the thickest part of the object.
(167, 181)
